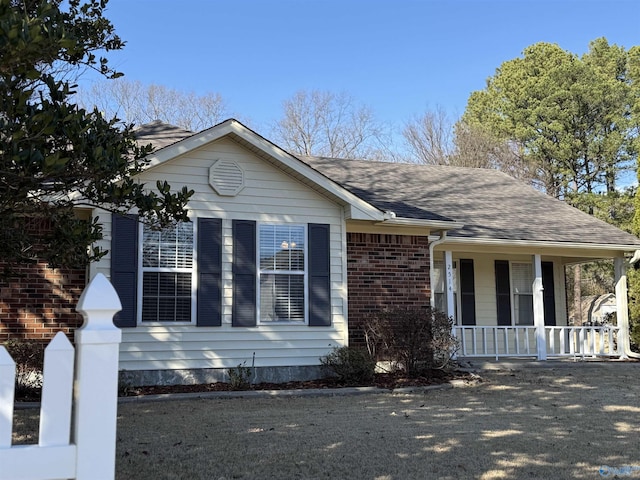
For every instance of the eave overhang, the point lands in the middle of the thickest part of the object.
(569, 252)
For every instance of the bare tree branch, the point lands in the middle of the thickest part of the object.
(134, 102)
(331, 125)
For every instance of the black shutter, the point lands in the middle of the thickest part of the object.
(319, 276)
(209, 272)
(467, 292)
(548, 294)
(124, 267)
(244, 273)
(503, 292)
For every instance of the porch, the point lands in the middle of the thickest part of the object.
(514, 305)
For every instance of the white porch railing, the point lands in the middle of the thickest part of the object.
(583, 341)
(521, 341)
(88, 450)
(496, 341)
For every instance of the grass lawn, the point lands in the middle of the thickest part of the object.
(571, 420)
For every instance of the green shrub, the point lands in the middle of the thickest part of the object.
(411, 339)
(240, 377)
(350, 365)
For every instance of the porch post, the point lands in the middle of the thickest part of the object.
(622, 307)
(538, 308)
(448, 280)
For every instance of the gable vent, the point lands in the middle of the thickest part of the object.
(226, 178)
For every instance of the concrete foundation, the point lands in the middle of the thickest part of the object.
(141, 378)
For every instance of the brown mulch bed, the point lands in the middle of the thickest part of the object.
(382, 380)
(386, 381)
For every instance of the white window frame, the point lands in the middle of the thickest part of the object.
(514, 294)
(194, 278)
(260, 272)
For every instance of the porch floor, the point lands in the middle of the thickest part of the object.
(515, 363)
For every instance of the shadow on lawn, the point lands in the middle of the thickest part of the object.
(579, 422)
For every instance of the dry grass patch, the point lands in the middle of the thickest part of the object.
(535, 423)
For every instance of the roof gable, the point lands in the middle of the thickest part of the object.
(181, 141)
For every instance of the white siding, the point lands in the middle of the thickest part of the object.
(269, 195)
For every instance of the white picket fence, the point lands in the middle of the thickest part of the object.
(78, 412)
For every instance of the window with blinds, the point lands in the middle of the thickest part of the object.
(167, 270)
(282, 273)
(522, 290)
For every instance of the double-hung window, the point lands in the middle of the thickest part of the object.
(282, 273)
(522, 290)
(167, 274)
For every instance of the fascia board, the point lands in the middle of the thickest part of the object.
(413, 222)
(541, 244)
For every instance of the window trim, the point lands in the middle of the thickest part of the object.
(194, 279)
(305, 275)
(513, 293)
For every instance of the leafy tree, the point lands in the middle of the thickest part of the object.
(54, 156)
(136, 103)
(568, 116)
(575, 122)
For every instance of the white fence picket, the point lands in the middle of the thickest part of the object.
(7, 391)
(97, 343)
(57, 388)
(90, 454)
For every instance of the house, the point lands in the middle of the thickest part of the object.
(285, 258)
(595, 310)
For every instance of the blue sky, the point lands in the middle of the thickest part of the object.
(399, 57)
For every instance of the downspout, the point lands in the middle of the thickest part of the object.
(432, 245)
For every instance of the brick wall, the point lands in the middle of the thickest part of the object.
(384, 271)
(37, 301)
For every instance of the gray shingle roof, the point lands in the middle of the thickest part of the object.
(160, 134)
(489, 203)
